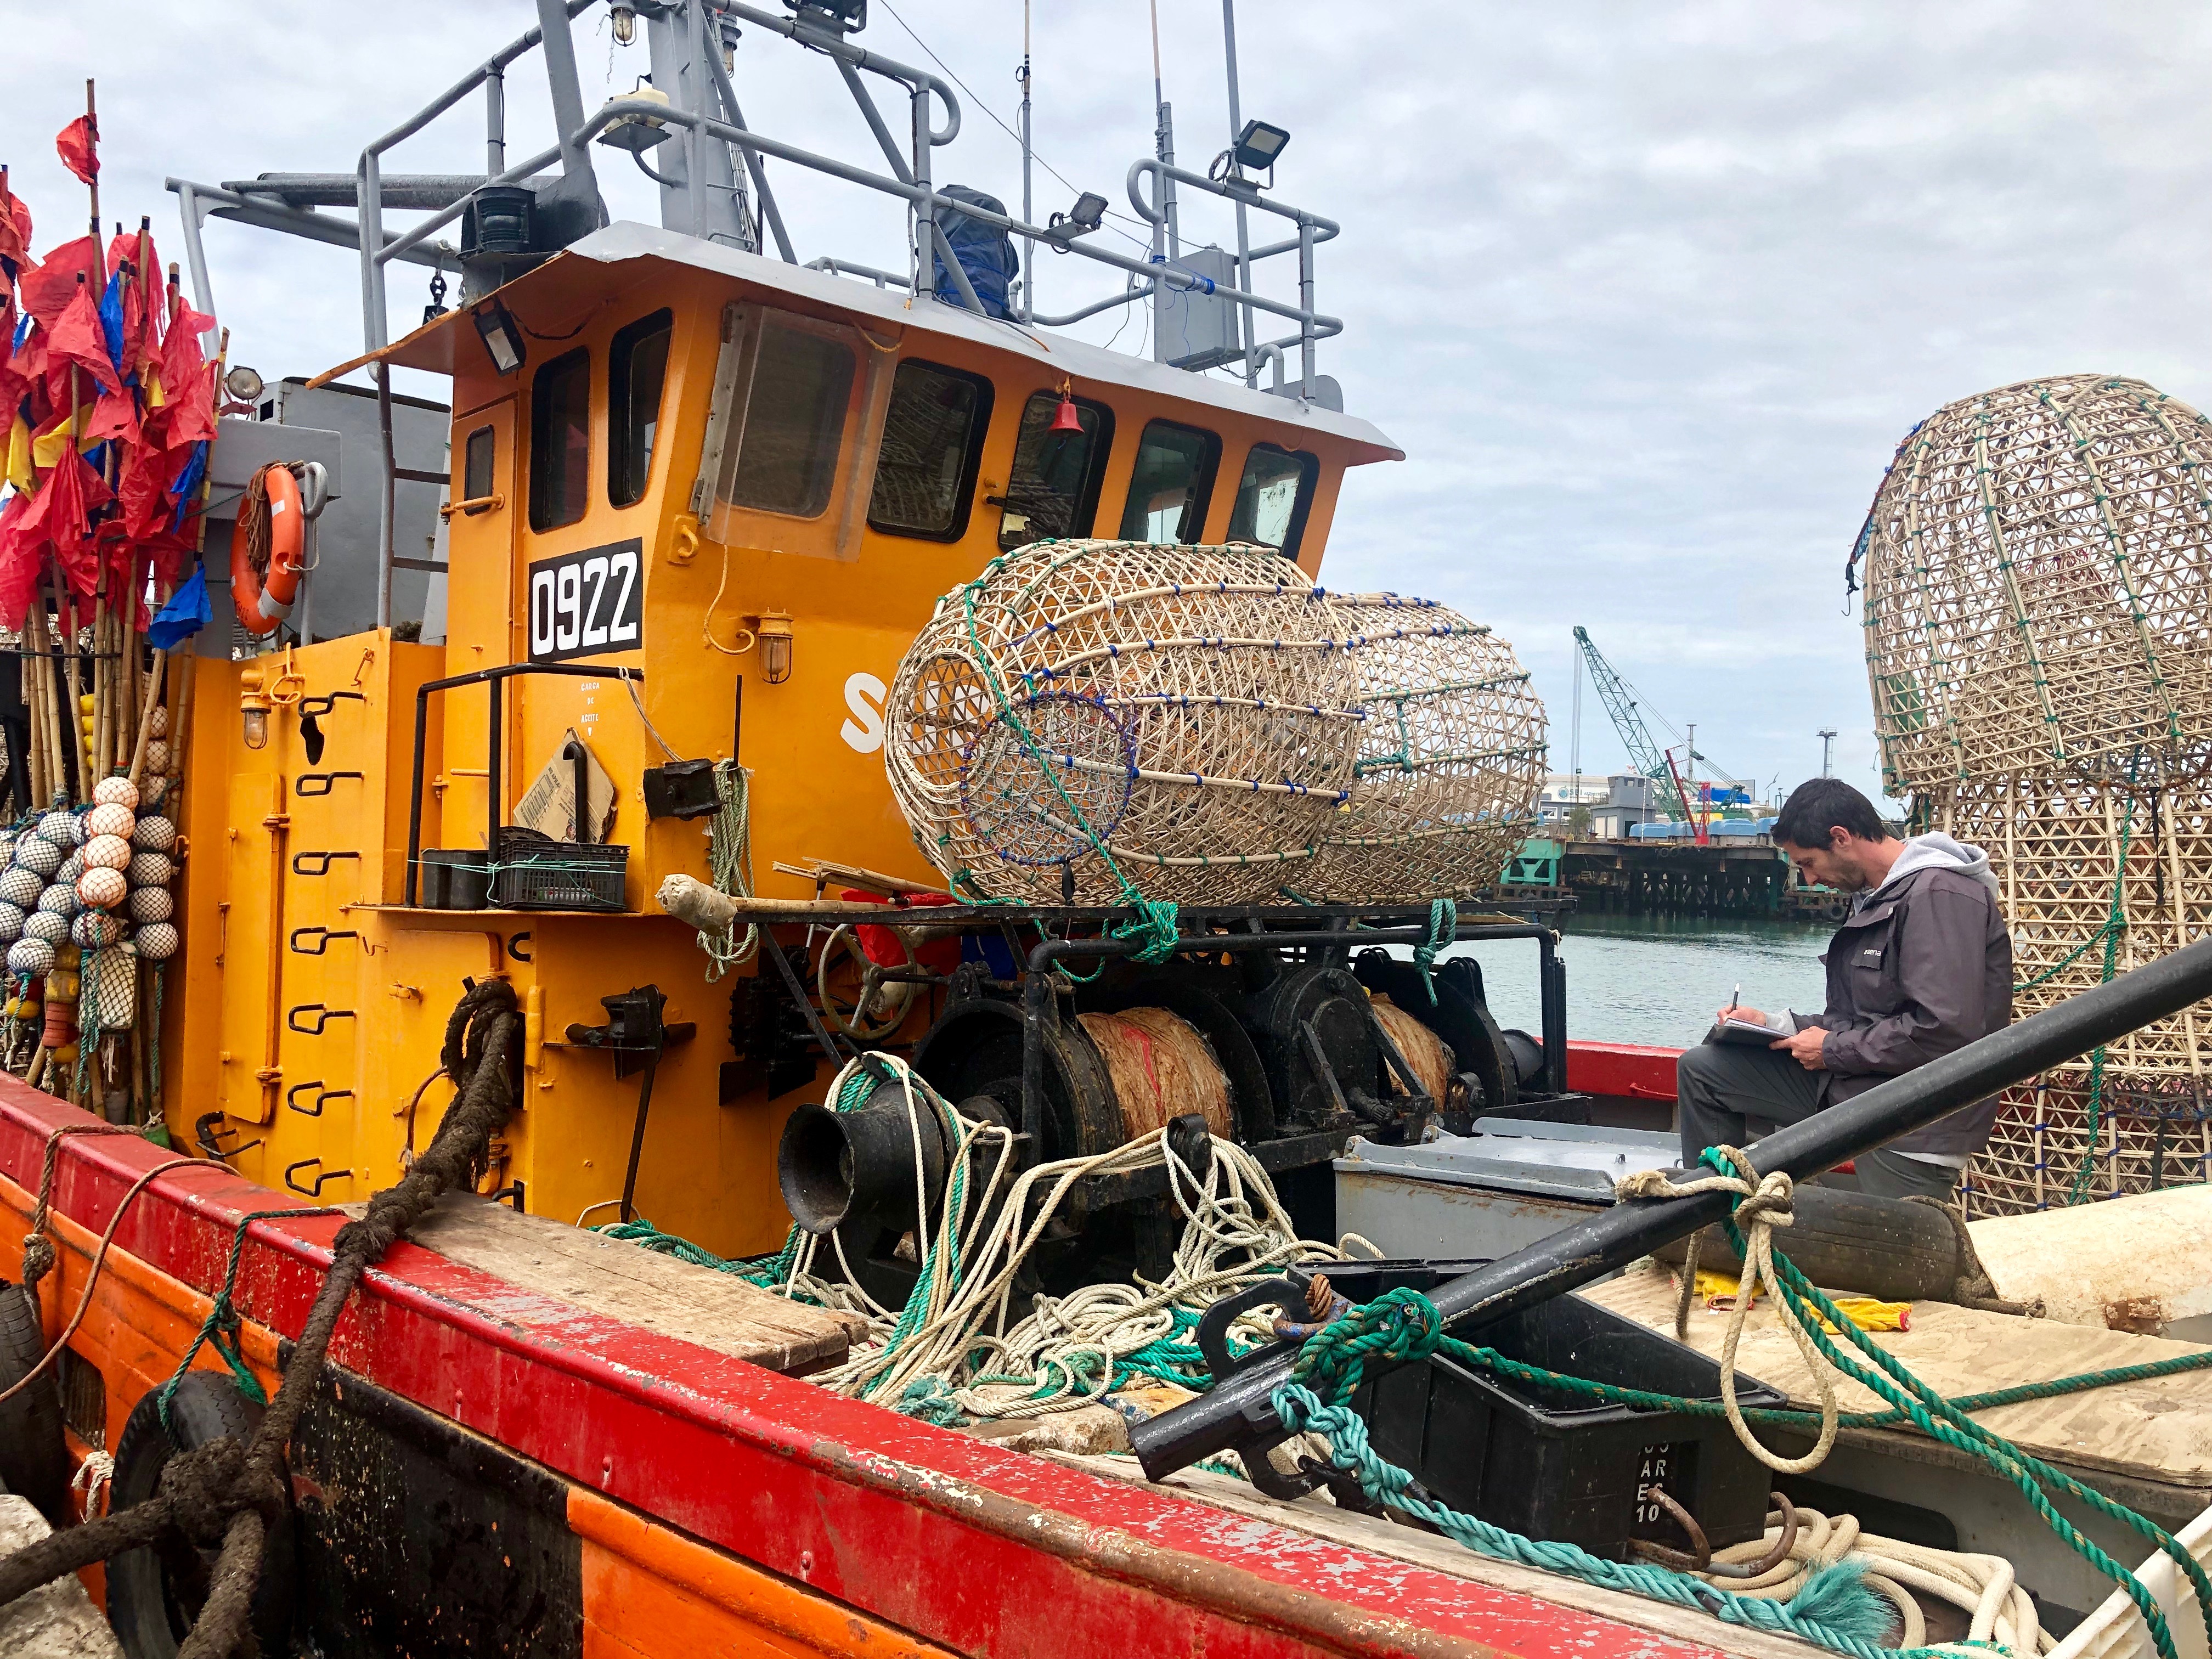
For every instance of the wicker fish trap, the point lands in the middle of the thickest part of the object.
(1451, 755)
(2058, 1142)
(2037, 594)
(1180, 721)
(2093, 880)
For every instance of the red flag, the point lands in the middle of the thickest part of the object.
(142, 488)
(115, 416)
(19, 563)
(15, 226)
(78, 144)
(76, 338)
(60, 518)
(48, 290)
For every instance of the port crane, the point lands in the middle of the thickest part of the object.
(1645, 755)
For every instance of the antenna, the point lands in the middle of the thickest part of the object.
(1827, 736)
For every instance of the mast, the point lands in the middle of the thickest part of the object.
(1029, 212)
(1244, 223)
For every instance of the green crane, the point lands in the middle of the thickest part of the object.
(1619, 700)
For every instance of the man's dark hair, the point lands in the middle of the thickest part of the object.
(1820, 805)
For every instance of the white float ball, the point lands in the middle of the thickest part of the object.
(46, 925)
(59, 900)
(72, 868)
(159, 725)
(37, 856)
(150, 796)
(95, 930)
(157, 941)
(157, 756)
(151, 904)
(102, 887)
(111, 819)
(31, 956)
(20, 887)
(115, 792)
(106, 852)
(151, 869)
(63, 828)
(154, 835)
(11, 922)
(6, 850)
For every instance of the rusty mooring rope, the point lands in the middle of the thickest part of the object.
(229, 1495)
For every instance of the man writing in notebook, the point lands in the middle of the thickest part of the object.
(1921, 967)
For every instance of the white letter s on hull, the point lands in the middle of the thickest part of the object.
(864, 696)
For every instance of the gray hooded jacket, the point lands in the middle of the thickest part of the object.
(1921, 967)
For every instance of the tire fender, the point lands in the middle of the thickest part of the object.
(142, 1598)
(33, 1458)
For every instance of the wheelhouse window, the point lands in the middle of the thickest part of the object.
(1053, 490)
(1169, 488)
(477, 456)
(794, 422)
(637, 368)
(1273, 497)
(932, 443)
(561, 440)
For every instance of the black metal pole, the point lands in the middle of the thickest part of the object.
(1238, 1412)
(415, 795)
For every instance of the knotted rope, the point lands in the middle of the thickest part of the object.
(228, 1493)
(1763, 1204)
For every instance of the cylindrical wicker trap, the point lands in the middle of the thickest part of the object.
(2036, 590)
(1182, 715)
(1451, 755)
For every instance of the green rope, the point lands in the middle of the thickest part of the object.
(1941, 1419)
(2115, 923)
(730, 860)
(219, 1330)
(1444, 925)
(1154, 920)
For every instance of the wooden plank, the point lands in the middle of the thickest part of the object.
(2159, 1431)
(607, 1276)
(1318, 1517)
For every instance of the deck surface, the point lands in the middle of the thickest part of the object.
(2156, 1431)
(550, 1259)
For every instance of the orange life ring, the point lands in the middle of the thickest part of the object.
(271, 508)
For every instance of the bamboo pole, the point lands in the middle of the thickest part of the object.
(76, 698)
(35, 705)
(101, 700)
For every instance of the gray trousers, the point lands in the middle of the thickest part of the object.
(1718, 1086)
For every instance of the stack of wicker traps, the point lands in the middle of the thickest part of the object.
(1206, 726)
(2039, 645)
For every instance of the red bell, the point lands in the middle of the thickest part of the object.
(1065, 419)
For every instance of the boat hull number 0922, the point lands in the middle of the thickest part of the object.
(590, 604)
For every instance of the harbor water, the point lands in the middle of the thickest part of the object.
(1657, 979)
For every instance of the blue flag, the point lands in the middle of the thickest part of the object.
(111, 320)
(185, 614)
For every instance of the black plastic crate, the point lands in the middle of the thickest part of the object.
(1560, 1466)
(536, 872)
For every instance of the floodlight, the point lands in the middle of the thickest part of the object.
(1258, 144)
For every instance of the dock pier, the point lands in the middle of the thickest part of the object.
(1733, 877)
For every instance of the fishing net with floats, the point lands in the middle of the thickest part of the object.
(2036, 591)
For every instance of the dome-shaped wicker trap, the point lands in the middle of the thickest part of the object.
(2036, 590)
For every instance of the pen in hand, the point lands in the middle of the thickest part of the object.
(1735, 997)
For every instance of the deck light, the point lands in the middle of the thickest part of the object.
(502, 337)
(624, 19)
(1090, 208)
(254, 708)
(775, 632)
(1258, 144)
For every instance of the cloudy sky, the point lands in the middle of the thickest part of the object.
(1648, 292)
